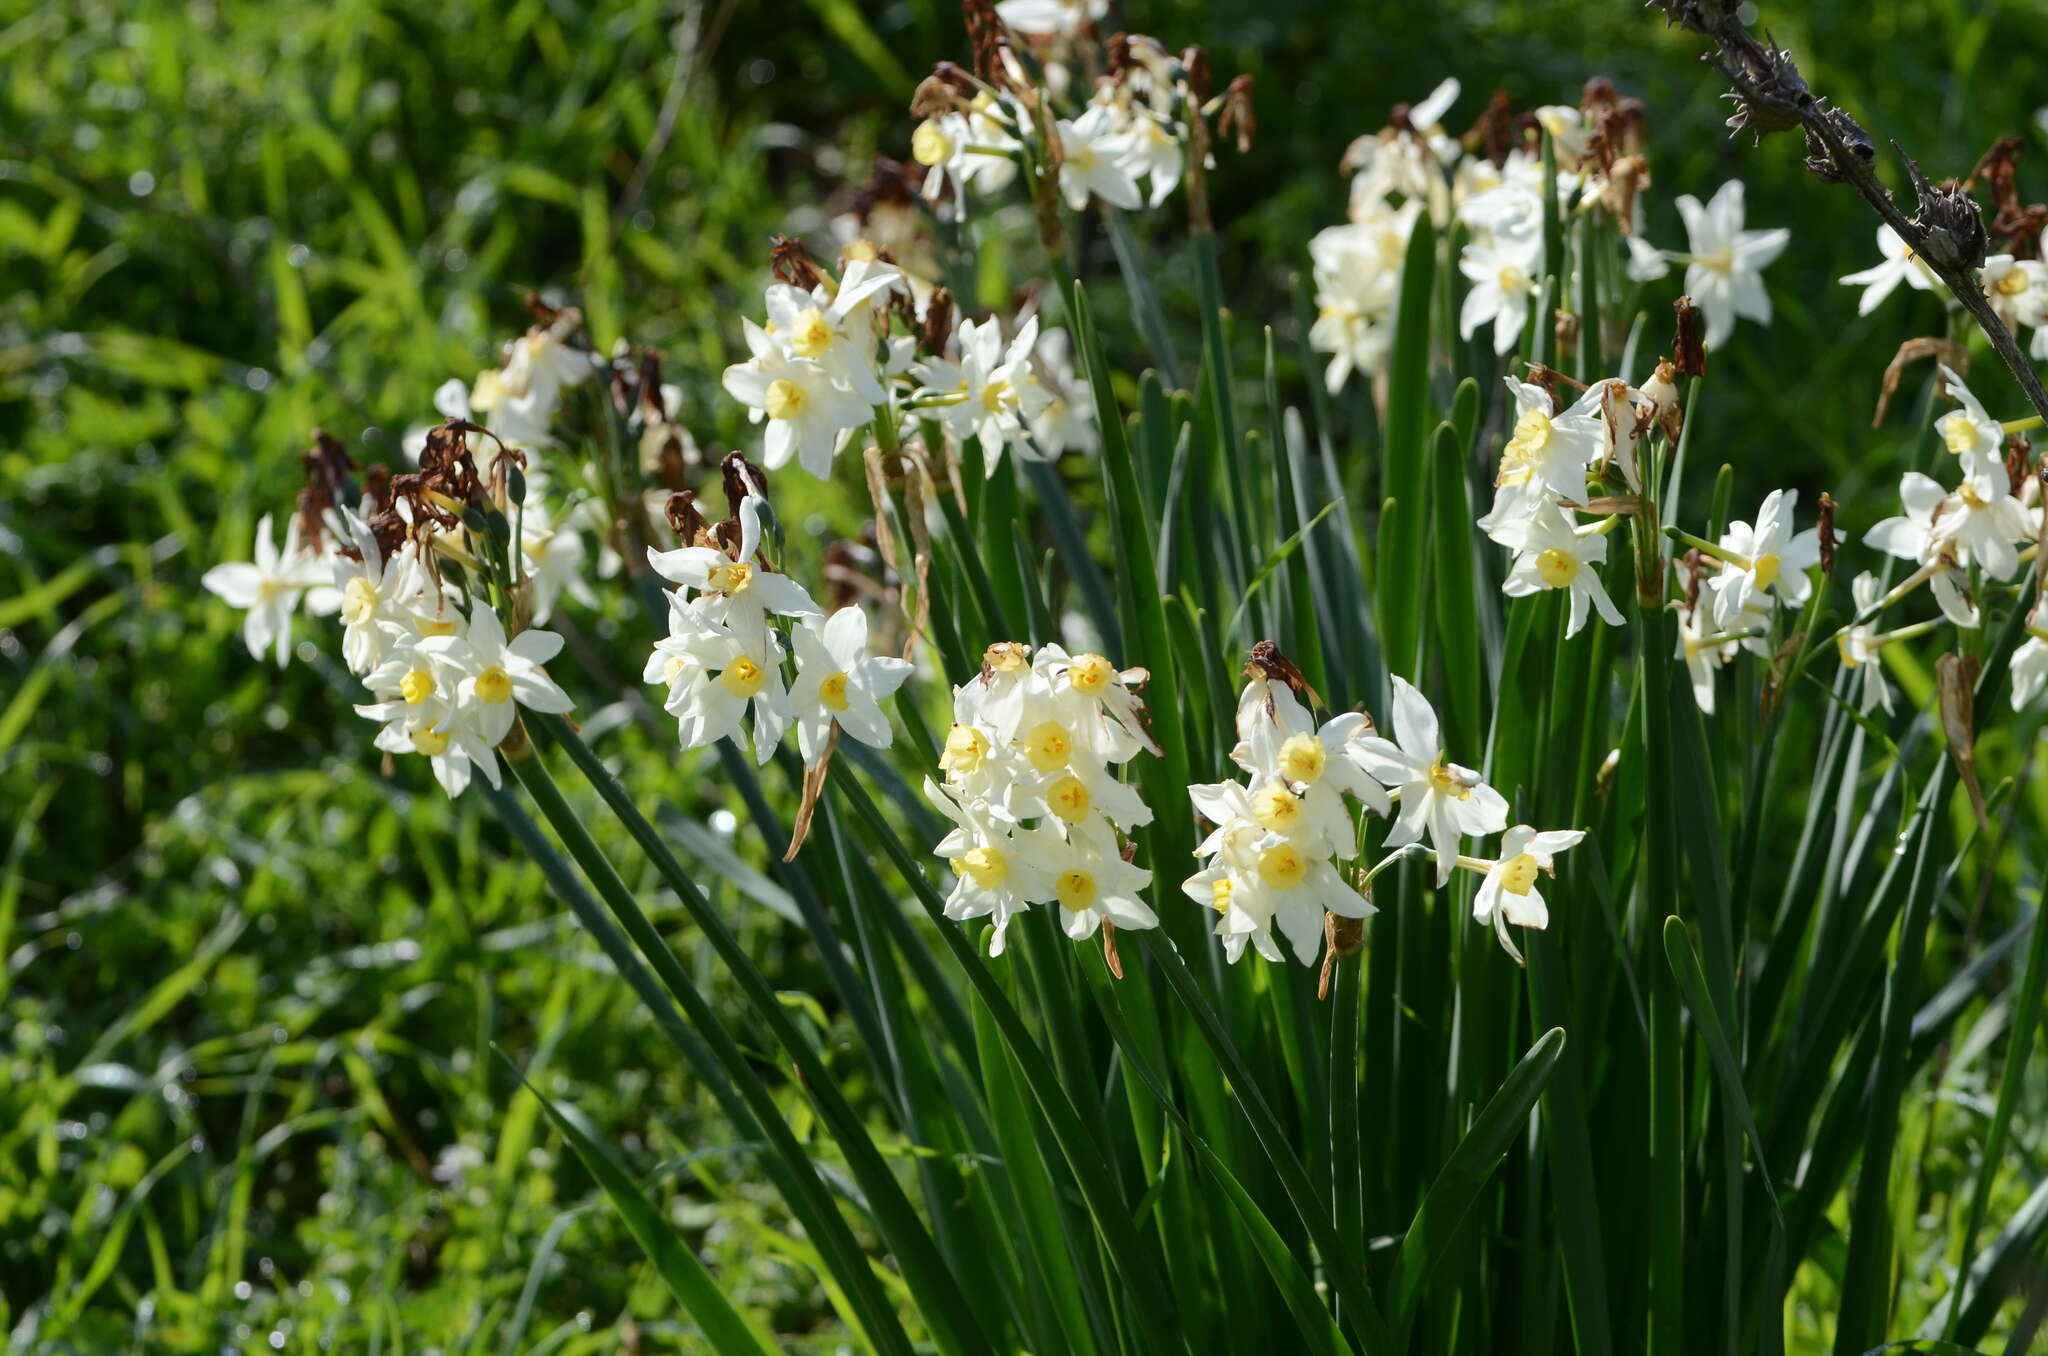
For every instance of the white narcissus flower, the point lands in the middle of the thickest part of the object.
(1065, 421)
(1061, 18)
(2029, 671)
(1437, 797)
(1545, 459)
(1097, 696)
(1971, 433)
(839, 683)
(1153, 151)
(1858, 645)
(1215, 888)
(1509, 894)
(1767, 562)
(1501, 273)
(2017, 290)
(737, 591)
(1897, 264)
(997, 866)
(834, 329)
(374, 597)
(416, 691)
(1091, 883)
(988, 392)
(268, 588)
(1554, 554)
(554, 554)
(499, 674)
(1724, 262)
(715, 676)
(1283, 746)
(1288, 886)
(1093, 151)
(1914, 536)
(541, 362)
(806, 410)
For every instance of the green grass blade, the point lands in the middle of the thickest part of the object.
(726, 1329)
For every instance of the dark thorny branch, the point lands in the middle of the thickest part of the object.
(1947, 231)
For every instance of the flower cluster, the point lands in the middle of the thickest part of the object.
(1273, 856)
(1492, 182)
(2016, 288)
(828, 362)
(1038, 814)
(733, 621)
(1541, 486)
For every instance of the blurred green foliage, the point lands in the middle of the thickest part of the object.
(248, 1095)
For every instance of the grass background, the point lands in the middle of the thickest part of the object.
(250, 986)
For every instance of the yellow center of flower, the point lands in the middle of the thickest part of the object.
(1219, 893)
(416, 686)
(493, 686)
(1518, 874)
(1765, 568)
(1282, 866)
(784, 400)
(2012, 283)
(1068, 798)
(1274, 806)
(432, 743)
(997, 396)
(674, 668)
(965, 748)
(732, 578)
(1048, 745)
(832, 692)
(1958, 432)
(1967, 492)
(1556, 568)
(1303, 758)
(811, 335)
(358, 601)
(1512, 279)
(985, 866)
(1091, 674)
(434, 628)
(929, 144)
(1448, 783)
(742, 678)
(1075, 890)
(1518, 460)
(1850, 647)
(1005, 656)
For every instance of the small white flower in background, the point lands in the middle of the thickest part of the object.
(1437, 797)
(1094, 152)
(1065, 421)
(1153, 151)
(1914, 536)
(1646, 263)
(1897, 264)
(1062, 18)
(375, 597)
(1509, 894)
(1555, 554)
(268, 588)
(498, 674)
(2017, 290)
(1769, 561)
(1357, 270)
(806, 410)
(988, 391)
(1502, 283)
(1858, 644)
(2029, 671)
(542, 361)
(738, 592)
(1724, 262)
(554, 555)
(839, 683)
(1702, 652)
